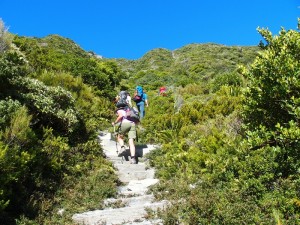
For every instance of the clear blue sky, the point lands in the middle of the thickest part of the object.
(130, 28)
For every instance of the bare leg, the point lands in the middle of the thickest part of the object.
(131, 146)
(120, 140)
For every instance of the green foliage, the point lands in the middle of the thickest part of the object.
(48, 126)
(51, 52)
(202, 128)
(88, 180)
(7, 109)
(272, 95)
(189, 64)
(12, 65)
(95, 110)
(272, 99)
(58, 54)
(5, 37)
(237, 175)
(156, 59)
(53, 106)
(157, 117)
(16, 154)
(233, 80)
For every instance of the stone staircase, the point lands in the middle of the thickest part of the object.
(133, 201)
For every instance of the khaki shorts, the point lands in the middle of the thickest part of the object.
(128, 127)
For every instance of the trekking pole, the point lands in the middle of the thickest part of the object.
(116, 140)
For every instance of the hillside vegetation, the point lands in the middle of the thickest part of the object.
(194, 63)
(228, 129)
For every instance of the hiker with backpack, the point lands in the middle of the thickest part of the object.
(162, 91)
(127, 119)
(145, 102)
(123, 99)
(140, 98)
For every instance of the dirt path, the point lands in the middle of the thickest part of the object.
(133, 201)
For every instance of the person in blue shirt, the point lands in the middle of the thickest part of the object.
(142, 103)
(145, 102)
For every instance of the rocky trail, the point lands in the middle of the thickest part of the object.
(133, 201)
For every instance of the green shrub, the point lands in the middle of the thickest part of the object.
(16, 154)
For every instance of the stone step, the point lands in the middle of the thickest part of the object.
(118, 216)
(138, 175)
(133, 200)
(136, 187)
(128, 201)
(110, 148)
(146, 222)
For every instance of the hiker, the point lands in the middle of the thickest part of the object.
(162, 91)
(128, 127)
(123, 99)
(140, 98)
(146, 101)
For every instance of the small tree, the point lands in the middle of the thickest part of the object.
(272, 99)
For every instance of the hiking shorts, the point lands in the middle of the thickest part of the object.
(128, 127)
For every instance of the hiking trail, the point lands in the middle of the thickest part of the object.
(133, 201)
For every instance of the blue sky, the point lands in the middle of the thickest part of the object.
(130, 28)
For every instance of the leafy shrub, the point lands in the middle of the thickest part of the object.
(233, 80)
(12, 65)
(47, 133)
(5, 37)
(55, 53)
(53, 105)
(272, 100)
(16, 155)
(7, 109)
(95, 110)
(237, 174)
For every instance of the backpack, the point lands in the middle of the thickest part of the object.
(132, 114)
(122, 99)
(138, 96)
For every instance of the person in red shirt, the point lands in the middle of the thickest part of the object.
(162, 91)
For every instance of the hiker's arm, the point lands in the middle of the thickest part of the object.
(146, 100)
(129, 101)
(119, 118)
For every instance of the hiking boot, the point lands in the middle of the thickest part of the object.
(133, 160)
(122, 151)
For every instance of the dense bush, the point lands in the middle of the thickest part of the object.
(272, 100)
(95, 110)
(58, 54)
(48, 127)
(216, 171)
